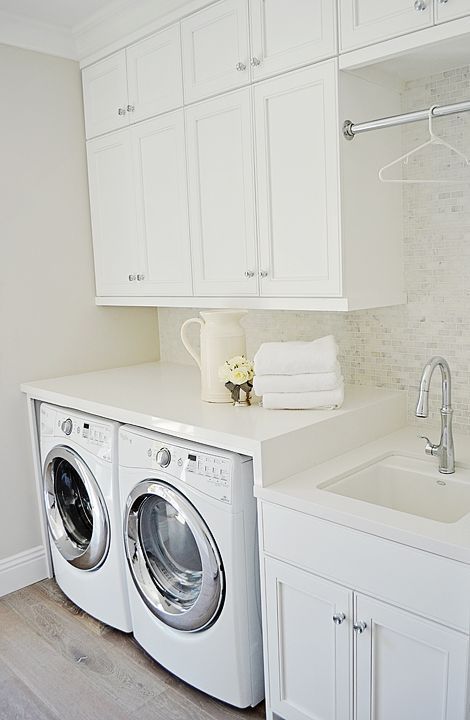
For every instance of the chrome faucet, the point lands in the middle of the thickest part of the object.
(445, 450)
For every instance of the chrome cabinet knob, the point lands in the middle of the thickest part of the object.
(263, 273)
(240, 66)
(132, 278)
(121, 111)
(130, 108)
(255, 62)
(163, 457)
(339, 618)
(420, 5)
(249, 273)
(140, 277)
(359, 627)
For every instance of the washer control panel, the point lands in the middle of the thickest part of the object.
(209, 473)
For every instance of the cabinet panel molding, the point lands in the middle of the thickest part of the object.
(288, 35)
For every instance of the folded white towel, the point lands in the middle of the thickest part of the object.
(325, 400)
(292, 358)
(305, 382)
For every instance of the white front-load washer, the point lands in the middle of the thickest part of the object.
(81, 497)
(190, 534)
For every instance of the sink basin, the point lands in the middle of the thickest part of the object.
(408, 485)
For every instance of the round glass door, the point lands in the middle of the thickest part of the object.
(173, 558)
(75, 508)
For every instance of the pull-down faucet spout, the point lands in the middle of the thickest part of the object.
(445, 450)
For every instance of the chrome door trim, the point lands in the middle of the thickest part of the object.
(206, 608)
(94, 554)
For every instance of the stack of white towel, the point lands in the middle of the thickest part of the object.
(299, 375)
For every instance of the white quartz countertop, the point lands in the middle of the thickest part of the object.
(166, 397)
(301, 492)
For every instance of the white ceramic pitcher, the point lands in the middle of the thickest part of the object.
(222, 337)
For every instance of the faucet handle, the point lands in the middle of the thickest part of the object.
(430, 448)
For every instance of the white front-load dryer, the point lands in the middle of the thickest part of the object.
(190, 536)
(81, 499)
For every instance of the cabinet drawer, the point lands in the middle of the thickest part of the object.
(426, 584)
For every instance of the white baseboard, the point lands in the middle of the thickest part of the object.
(23, 569)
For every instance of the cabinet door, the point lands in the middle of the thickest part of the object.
(117, 253)
(407, 667)
(105, 95)
(364, 22)
(309, 655)
(286, 35)
(221, 196)
(154, 74)
(158, 151)
(451, 9)
(298, 183)
(216, 51)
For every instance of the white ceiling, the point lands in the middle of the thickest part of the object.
(62, 13)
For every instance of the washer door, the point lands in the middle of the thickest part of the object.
(173, 558)
(76, 510)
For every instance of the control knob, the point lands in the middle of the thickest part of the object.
(67, 426)
(163, 457)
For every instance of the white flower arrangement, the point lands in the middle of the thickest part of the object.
(237, 374)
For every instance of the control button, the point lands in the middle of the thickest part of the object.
(163, 457)
(67, 426)
(149, 452)
(180, 462)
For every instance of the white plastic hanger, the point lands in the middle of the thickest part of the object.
(433, 140)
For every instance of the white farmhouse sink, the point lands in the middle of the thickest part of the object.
(408, 485)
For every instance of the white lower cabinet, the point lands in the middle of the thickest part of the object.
(138, 198)
(336, 653)
(407, 667)
(309, 654)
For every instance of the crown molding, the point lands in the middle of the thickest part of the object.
(38, 36)
(125, 22)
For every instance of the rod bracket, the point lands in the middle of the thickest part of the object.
(347, 132)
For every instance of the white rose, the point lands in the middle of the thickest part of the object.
(239, 376)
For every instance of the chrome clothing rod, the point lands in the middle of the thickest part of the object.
(350, 129)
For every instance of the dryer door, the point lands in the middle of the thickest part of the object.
(173, 558)
(75, 508)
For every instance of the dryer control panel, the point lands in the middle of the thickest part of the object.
(85, 431)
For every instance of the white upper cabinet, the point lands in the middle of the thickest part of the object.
(297, 152)
(134, 84)
(118, 256)
(105, 95)
(285, 35)
(221, 195)
(451, 9)
(216, 50)
(154, 74)
(364, 22)
(158, 152)
(408, 667)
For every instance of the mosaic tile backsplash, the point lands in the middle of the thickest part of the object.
(387, 347)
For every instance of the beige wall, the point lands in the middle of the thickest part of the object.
(389, 346)
(49, 324)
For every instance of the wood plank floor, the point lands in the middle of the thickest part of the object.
(58, 663)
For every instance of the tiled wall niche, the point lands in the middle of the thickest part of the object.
(388, 347)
